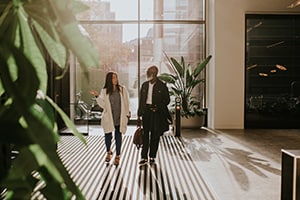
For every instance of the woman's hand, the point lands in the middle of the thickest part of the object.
(94, 92)
(129, 115)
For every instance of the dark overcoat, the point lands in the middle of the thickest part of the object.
(160, 98)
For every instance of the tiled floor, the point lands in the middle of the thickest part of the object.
(235, 164)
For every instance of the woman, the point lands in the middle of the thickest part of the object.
(114, 100)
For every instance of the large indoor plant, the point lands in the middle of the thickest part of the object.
(183, 79)
(30, 30)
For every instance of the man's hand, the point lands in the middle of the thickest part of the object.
(139, 121)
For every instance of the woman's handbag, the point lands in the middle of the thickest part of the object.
(138, 137)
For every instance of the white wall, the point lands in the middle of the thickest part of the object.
(226, 41)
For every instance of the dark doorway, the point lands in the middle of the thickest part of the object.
(272, 71)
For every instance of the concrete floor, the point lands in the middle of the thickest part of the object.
(241, 164)
(236, 164)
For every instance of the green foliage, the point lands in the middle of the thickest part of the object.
(183, 82)
(28, 28)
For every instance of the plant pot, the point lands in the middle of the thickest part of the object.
(193, 122)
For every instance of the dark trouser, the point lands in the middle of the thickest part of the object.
(151, 135)
(149, 142)
(118, 139)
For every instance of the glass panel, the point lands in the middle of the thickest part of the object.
(149, 10)
(110, 10)
(172, 10)
(115, 55)
(122, 44)
(175, 40)
(272, 71)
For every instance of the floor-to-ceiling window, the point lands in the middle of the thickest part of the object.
(272, 71)
(131, 35)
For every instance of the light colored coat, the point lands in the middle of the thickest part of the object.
(107, 121)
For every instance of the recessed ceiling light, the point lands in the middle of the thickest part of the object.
(281, 67)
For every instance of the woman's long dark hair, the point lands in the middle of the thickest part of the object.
(108, 83)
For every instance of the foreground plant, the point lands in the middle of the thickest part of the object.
(30, 29)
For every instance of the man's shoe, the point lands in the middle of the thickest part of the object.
(143, 162)
(152, 161)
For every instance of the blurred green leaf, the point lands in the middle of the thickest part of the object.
(30, 30)
(79, 7)
(55, 49)
(52, 189)
(25, 159)
(11, 131)
(67, 120)
(72, 37)
(32, 52)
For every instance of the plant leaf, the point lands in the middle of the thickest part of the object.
(52, 189)
(189, 76)
(202, 65)
(168, 78)
(66, 119)
(55, 49)
(179, 68)
(79, 7)
(11, 131)
(32, 51)
(71, 35)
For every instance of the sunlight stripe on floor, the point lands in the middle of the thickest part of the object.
(174, 176)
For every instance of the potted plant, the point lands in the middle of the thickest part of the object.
(184, 79)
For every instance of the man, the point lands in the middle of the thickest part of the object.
(154, 99)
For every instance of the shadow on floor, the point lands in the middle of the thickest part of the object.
(233, 158)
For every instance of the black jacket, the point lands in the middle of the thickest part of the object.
(161, 98)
